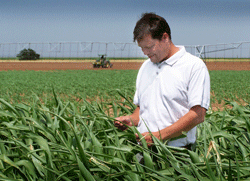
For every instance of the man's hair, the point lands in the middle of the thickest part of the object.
(151, 24)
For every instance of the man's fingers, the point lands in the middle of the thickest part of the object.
(119, 118)
(120, 125)
(144, 136)
(117, 123)
(137, 137)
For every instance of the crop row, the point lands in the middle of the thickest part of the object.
(230, 85)
(101, 84)
(20, 85)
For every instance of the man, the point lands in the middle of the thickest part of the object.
(172, 86)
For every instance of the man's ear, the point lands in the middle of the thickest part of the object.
(165, 37)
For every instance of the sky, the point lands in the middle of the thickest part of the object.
(192, 22)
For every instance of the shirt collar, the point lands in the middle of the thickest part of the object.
(174, 58)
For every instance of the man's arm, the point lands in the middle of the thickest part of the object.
(129, 120)
(195, 116)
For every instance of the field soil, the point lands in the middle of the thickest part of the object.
(66, 65)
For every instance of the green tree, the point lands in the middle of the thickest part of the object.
(28, 54)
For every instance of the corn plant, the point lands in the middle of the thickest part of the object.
(68, 142)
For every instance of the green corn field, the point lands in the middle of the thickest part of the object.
(51, 136)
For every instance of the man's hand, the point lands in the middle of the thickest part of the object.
(147, 136)
(130, 120)
(194, 117)
(122, 121)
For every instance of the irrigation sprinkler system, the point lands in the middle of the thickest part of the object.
(119, 50)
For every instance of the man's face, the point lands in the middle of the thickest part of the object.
(156, 50)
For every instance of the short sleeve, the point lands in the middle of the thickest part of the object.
(199, 88)
(136, 99)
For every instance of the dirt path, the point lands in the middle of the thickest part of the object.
(228, 65)
(116, 65)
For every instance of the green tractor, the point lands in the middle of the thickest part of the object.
(102, 61)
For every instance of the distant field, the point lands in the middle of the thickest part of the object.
(70, 84)
(102, 84)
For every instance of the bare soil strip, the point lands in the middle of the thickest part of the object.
(228, 65)
(63, 65)
(81, 65)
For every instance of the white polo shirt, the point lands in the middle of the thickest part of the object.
(165, 92)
